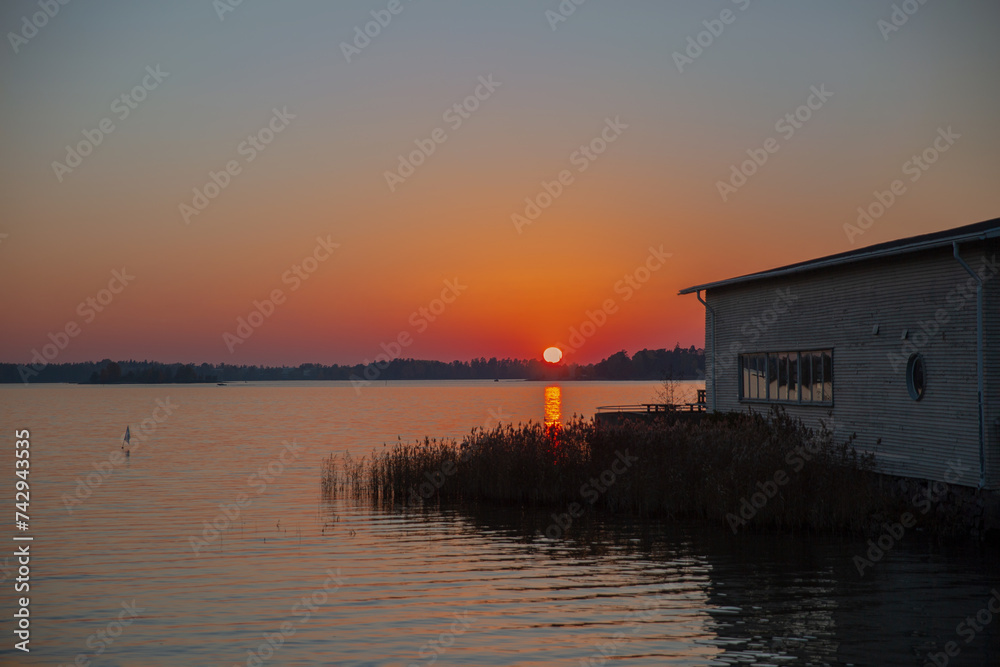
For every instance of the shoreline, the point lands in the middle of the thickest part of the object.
(747, 472)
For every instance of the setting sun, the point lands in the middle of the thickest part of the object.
(552, 355)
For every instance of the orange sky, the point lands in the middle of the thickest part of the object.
(655, 184)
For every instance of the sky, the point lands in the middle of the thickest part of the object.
(216, 155)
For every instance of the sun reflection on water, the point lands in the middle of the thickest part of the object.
(553, 406)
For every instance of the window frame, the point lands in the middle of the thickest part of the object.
(763, 370)
(915, 361)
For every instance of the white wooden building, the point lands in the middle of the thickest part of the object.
(896, 342)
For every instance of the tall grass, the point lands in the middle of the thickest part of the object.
(709, 469)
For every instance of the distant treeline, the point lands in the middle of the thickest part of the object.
(676, 364)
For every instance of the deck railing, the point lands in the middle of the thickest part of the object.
(652, 408)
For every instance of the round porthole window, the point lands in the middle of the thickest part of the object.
(915, 376)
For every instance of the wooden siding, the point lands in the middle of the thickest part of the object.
(837, 308)
(991, 339)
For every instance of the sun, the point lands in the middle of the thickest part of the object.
(552, 355)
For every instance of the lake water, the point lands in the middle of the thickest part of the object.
(345, 583)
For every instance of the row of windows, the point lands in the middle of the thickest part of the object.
(796, 377)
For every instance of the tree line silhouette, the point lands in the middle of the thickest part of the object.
(677, 364)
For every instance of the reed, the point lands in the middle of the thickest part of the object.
(746, 470)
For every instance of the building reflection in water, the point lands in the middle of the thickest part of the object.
(553, 406)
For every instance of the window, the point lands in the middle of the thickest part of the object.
(805, 377)
(915, 381)
(782, 376)
(792, 377)
(754, 371)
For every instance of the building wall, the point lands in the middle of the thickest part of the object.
(838, 308)
(991, 338)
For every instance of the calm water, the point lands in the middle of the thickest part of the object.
(445, 587)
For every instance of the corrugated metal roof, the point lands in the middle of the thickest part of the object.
(979, 230)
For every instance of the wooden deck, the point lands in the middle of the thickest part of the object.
(651, 411)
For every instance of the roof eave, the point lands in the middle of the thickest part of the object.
(836, 261)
